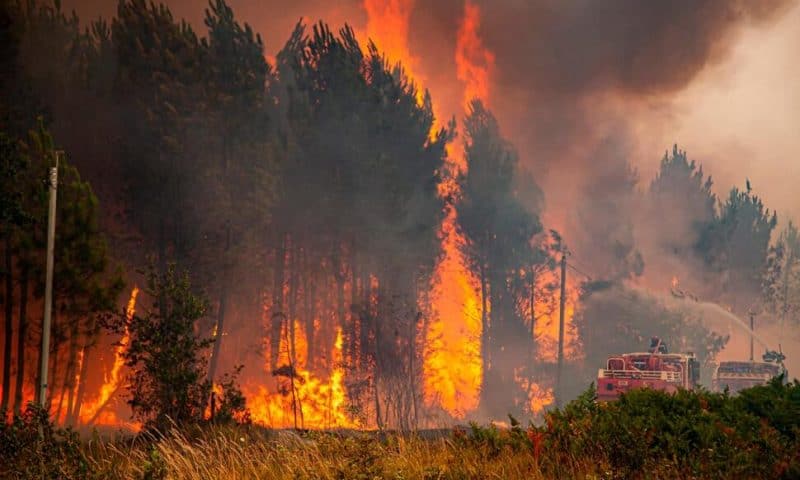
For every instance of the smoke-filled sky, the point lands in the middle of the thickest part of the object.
(720, 77)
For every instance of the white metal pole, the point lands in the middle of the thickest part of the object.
(48, 291)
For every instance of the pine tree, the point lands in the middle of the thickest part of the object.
(736, 244)
(236, 83)
(680, 204)
(499, 232)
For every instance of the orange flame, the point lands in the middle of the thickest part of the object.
(113, 379)
(538, 397)
(387, 26)
(453, 367)
(474, 62)
(547, 323)
(317, 404)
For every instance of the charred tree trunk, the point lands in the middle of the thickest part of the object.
(337, 265)
(69, 378)
(293, 284)
(350, 329)
(223, 300)
(69, 371)
(53, 360)
(377, 373)
(9, 325)
(81, 391)
(277, 300)
(532, 350)
(21, 338)
(309, 307)
(412, 372)
(485, 341)
(362, 328)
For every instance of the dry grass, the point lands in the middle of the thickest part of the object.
(235, 454)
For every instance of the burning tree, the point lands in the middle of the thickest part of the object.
(499, 233)
(362, 271)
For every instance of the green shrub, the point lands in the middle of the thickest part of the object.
(31, 447)
(648, 433)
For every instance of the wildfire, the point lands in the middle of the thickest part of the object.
(452, 369)
(96, 411)
(387, 26)
(538, 397)
(453, 365)
(547, 323)
(473, 60)
(303, 400)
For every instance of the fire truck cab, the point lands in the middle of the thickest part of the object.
(655, 369)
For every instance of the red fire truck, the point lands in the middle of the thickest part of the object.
(656, 369)
(736, 376)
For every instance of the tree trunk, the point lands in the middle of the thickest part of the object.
(278, 315)
(352, 327)
(337, 264)
(292, 307)
(9, 326)
(484, 326)
(412, 373)
(532, 350)
(21, 338)
(223, 299)
(76, 410)
(67, 385)
(374, 325)
(69, 378)
(363, 326)
(309, 306)
(53, 360)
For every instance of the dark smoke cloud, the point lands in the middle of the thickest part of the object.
(573, 77)
(630, 45)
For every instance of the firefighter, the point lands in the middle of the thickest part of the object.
(657, 345)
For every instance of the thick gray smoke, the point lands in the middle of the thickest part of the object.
(573, 83)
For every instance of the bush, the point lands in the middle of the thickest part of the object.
(648, 433)
(32, 447)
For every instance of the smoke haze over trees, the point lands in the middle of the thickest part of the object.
(305, 194)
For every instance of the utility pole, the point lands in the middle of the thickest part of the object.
(48, 288)
(533, 304)
(561, 328)
(752, 315)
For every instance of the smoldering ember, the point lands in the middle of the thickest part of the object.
(494, 228)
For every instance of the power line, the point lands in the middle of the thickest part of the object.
(589, 277)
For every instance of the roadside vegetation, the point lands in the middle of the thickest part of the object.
(647, 434)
